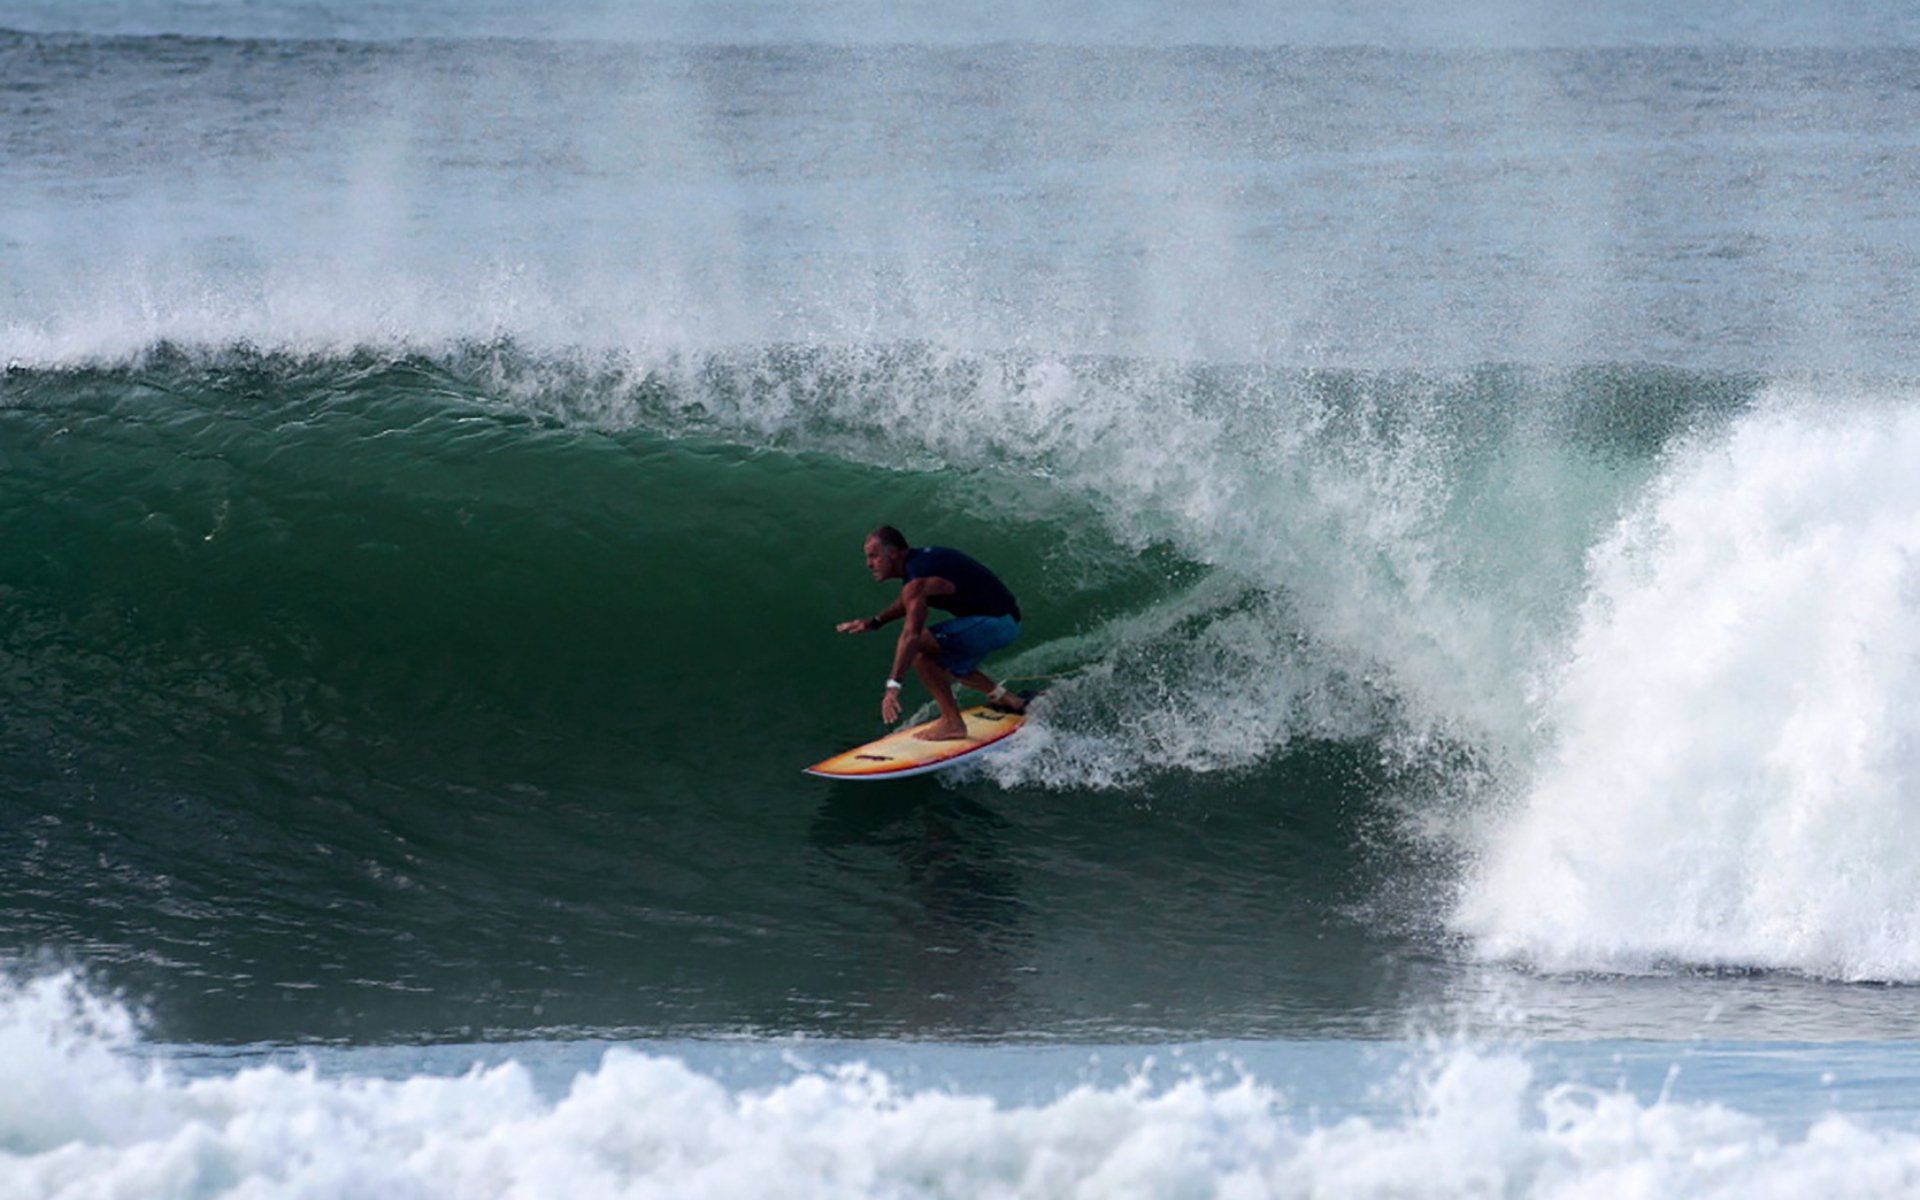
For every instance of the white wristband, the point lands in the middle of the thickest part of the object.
(893, 685)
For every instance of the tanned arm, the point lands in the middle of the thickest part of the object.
(913, 605)
(892, 612)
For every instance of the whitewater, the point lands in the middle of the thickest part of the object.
(1455, 466)
(84, 1118)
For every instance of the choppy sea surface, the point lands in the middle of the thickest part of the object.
(1456, 464)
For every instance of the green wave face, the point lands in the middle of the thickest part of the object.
(361, 682)
(290, 553)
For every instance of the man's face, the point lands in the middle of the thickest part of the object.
(880, 558)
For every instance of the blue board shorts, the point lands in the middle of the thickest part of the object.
(964, 641)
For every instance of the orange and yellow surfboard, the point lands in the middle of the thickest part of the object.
(900, 754)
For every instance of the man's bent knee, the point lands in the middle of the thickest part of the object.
(931, 672)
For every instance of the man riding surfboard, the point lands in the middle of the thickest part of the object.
(985, 618)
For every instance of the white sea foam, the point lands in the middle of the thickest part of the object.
(1737, 731)
(79, 1117)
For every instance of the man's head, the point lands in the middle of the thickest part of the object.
(886, 551)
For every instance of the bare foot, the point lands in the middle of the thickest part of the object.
(943, 733)
(1011, 702)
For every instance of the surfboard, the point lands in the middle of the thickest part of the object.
(900, 754)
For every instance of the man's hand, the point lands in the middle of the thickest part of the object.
(890, 706)
(857, 625)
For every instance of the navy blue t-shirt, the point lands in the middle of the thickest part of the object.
(977, 592)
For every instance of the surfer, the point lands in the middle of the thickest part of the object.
(985, 618)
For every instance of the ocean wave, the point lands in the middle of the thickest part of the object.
(433, 566)
(1308, 542)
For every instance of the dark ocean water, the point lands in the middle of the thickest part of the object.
(1456, 469)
